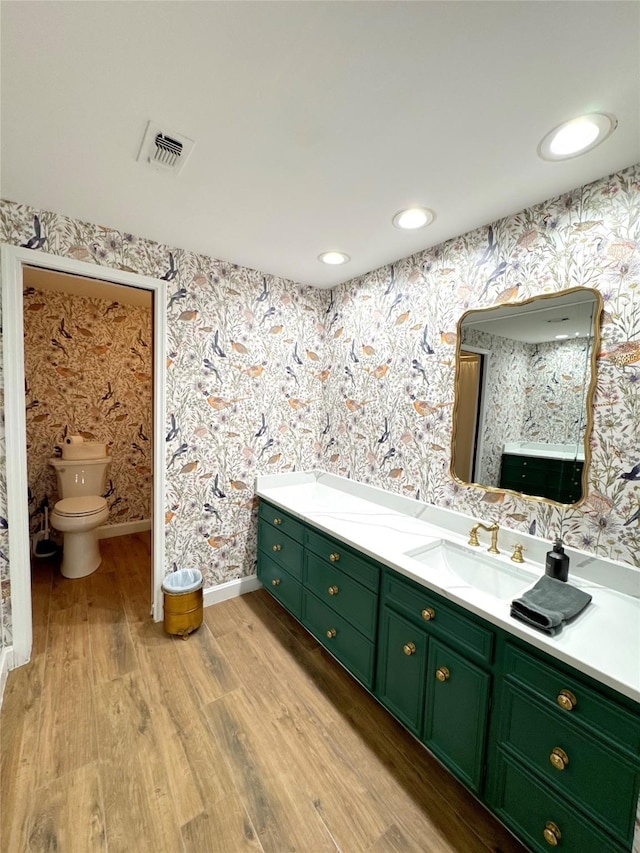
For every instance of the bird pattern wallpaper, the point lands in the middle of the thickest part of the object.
(265, 376)
(88, 371)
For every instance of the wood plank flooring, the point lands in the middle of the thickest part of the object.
(247, 738)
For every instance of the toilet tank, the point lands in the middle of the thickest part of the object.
(79, 478)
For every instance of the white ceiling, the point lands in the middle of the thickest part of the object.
(314, 122)
(540, 320)
(89, 288)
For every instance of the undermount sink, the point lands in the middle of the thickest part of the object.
(475, 569)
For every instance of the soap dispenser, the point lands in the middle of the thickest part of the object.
(557, 562)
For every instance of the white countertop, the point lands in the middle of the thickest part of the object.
(603, 641)
(541, 449)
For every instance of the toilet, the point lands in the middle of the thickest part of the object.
(79, 512)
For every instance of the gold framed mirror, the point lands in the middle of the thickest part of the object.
(524, 384)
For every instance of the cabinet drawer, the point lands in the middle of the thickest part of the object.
(283, 521)
(280, 547)
(426, 608)
(352, 564)
(528, 807)
(400, 679)
(350, 599)
(456, 713)
(591, 709)
(339, 637)
(280, 584)
(586, 769)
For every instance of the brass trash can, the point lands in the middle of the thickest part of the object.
(182, 602)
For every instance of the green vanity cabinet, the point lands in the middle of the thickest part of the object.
(280, 557)
(557, 479)
(570, 749)
(456, 714)
(330, 588)
(402, 666)
(552, 752)
(428, 677)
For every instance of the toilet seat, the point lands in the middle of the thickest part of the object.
(84, 506)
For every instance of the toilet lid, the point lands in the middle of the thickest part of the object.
(88, 505)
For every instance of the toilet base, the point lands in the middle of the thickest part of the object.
(80, 554)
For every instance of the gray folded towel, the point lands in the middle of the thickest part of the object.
(549, 603)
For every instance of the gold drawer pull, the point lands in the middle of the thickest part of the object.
(409, 649)
(277, 548)
(551, 833)
(333, 590)
(275, 582)
(559, 758)
(331, 633)
(566, 700)
(334, 557)
(442, 674)
(428, 614)
(277, 521)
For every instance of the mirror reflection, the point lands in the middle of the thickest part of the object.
(525, 375)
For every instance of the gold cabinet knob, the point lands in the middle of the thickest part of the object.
(428, 614)
(442, 674)
(333, 590)
(566, 700)
(331, 633)
(559, 758)
(551, 833)
(334, 557)
(277, 548)
(275, 582)
(277, 521)
(409, 649)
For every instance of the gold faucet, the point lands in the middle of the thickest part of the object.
(493, 530)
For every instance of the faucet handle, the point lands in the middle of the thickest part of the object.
(517, 553)
(473, 536)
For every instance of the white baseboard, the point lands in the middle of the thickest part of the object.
(6, 663)
(124, 528)
(231, 589)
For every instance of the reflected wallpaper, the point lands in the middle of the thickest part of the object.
(266, 376)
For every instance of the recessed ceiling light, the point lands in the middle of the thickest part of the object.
(334, 258)
(412, 218)
(577, 136)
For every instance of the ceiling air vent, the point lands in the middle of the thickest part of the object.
(164, 150)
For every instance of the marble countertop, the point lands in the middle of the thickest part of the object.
(603, 641)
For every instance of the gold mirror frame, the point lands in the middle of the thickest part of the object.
(588, 397)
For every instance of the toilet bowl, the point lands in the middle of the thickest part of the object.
(78, 518)
(79, 512)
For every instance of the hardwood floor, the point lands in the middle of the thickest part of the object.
(247, 737)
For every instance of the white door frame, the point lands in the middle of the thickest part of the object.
(13, 259)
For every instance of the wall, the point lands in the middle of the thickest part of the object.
(391, 345)
(6, 634)
(266, 376)
(88, 370)
(244, 379)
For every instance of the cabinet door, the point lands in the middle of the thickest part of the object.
(401, 669)
(457, 706)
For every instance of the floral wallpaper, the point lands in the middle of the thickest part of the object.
(391, 343)
(266, 376)
(88, 371)
(533, 392)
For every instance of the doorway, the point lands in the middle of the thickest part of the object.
(468, 453)
(14, 262)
